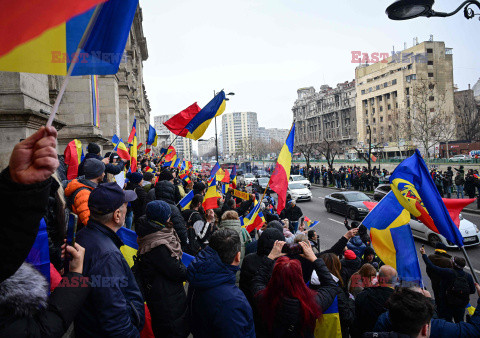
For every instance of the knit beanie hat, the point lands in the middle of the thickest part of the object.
(158, 211)
(148, 176)
(93, 168)
(136, 177)
(349, 254)
(93, 148)
(165, 175)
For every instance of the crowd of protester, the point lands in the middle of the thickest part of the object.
(275, 281)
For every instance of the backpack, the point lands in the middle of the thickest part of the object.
(458, 293)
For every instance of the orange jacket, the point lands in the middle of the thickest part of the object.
(80, 204)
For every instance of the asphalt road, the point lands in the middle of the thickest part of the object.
(331, 228)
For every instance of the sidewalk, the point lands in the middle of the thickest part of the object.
(472, 208)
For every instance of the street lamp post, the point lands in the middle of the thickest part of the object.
(216, 138)
(409, 9)
(369, 131)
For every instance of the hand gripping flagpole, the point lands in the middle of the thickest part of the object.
(81, 44)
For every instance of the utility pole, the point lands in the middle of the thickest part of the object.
(369, 131)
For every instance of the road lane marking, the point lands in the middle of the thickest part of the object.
(467, 267)
(334, 220)
(321, 197)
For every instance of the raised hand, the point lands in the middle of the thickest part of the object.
(34, 159)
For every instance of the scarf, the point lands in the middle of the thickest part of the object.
(166, 237)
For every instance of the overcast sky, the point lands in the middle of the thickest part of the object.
(265, 50)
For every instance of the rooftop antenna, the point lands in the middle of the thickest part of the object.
(431, 37)
(416, 40)
(413, 42)
(404, 45)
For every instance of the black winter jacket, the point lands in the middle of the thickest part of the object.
(22, 208)
(289, 312)
(139, 206)
(165, 191)
(349, 267)
(369, 305)
(26, 311)
(166, 297)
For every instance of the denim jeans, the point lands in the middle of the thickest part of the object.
(129, 220)
(460, 191)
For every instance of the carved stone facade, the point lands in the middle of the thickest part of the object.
(326, 115)
(27, 99)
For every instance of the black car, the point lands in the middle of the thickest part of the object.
(348, 203)
(261, 183)
(261, 173)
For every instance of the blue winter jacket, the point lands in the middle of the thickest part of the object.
(440, 328)
(115, 307)
(356, 245)
(218, 308)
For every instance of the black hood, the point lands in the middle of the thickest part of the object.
(165, 191)
(267, 240)
(144, 227)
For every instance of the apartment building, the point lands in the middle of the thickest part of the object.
(239, 132)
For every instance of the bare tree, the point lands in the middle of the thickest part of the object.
(308, 151)
(468, 114)
(329, 150)
(425, 107)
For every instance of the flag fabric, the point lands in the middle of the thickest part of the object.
(152, 136)
(226, 177)
(133, 148)
(177, 123)
(39, 255)
(310, 223)
(177, 163)
(122, 150)
(392, 238)
(329, 326)
(148, 169)
(171, 152)
(115, 139)
(233, 177)
(95, 100)
(281, 173)
(225, 188)
(171, 162)
(133, 132)
(210, 201)
(185, 177)
(415, 190)
(73, 157)
(48, 40)
(373, 157)
(214, 170)
(455, 206)
(182, 168)
(139, 146)
(185, 202)
(220, 175)
(254, 219)
(193, 125)
(130, 247)
(52, 14)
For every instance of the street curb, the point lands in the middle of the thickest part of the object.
(467, 210)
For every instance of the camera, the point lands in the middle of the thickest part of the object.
(292, 249)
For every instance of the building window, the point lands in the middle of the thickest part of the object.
(432, 110)
(377, 87)
(366, 122)
(385, 85)
(381, 118)
(366, 112)
(381, 108)
(407, 90)
(430, 74)
(431, 86)
(394, 82)
(373, 110)
(389, 106)
(430, 63)
(396, 104)
(380, 98)
(363, 91)
(429, 50)
(374, 121)
(388, 96)
(431, 98)
(409, 66)
(394, 94)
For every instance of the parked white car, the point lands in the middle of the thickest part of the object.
(299, 192)
(468, 230)
(300, 179)
(459, 158)
(249, 178)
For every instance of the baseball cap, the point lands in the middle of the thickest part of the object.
(108, 197)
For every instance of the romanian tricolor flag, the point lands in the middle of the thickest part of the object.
(225, 188)
(177, 163)
(281, 174)
(73, 157)
(43, 36)
(210, 201)
(95, 101)
(185, 177)
(373, 157)
(149, 170)
(120, 148)
(130, 247)
(182, 168)
(392, 238)
(254, 219)
(220, 175)
(170, 153)
(214, 170)
(133, 132)
(330, 326)
(133, 148)
(310, 223)
(185, 202)
(192, 122)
